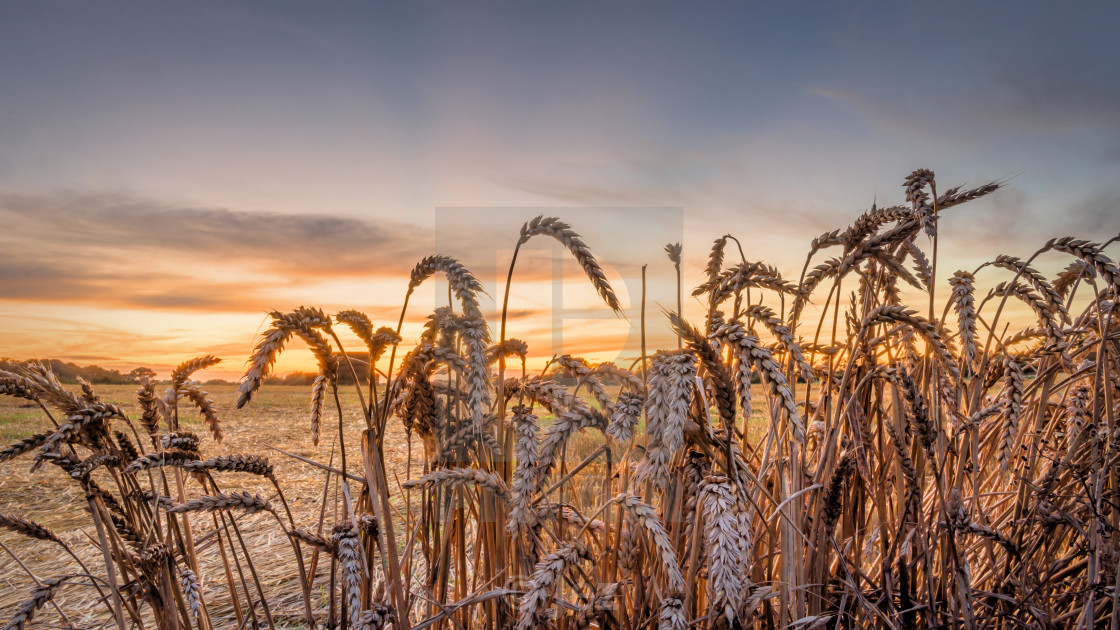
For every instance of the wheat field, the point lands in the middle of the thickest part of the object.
(856, 445)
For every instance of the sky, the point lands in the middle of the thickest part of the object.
(169, 172)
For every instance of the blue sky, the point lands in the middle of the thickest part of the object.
(246, 152)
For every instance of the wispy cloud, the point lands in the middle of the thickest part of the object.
(298, 243)
(126, 251)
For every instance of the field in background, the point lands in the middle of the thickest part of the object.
(277, 418)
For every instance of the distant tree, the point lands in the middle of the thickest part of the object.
(141, 373)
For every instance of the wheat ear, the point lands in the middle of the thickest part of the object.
(672, 615)
(182, 440)
(749, 352)
(25, 445)
(717, 378)
(233, 501)
(376, 618)
(625, 414)
(964, 305)
(350, 557)
(192, 591)
(49, 390)
(462, 282)
(459, 477)
(156, 460)
(40, 596)
(833, 499)
(1038, 281)
(205, 406)
(311, 538)
(1093, 255)
(538, 595)
(782, 332)
(17, 386)
(149, 406)
(728, 545)
(28, 528)
(184, 370)
(672, 383)
(1014, 379)
(252, 464)
(655, 529)
(527, 436)
(579, 368)
(557, 229)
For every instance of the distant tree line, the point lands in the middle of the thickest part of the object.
(69, 372)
